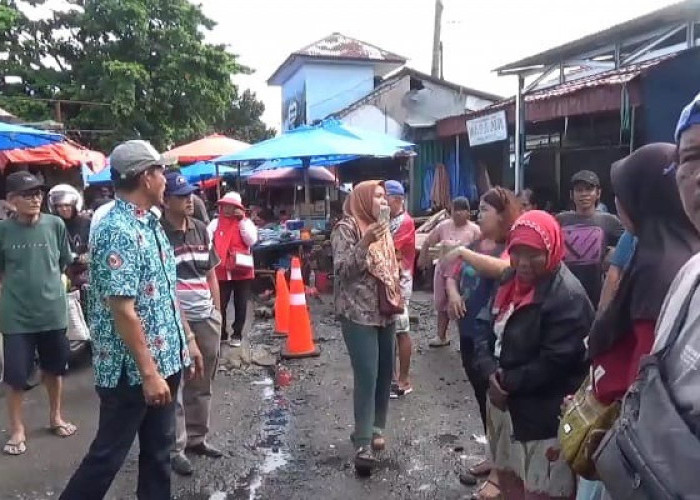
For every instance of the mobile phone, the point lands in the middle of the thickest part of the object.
(384, 213)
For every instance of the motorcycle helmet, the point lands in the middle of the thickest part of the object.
(64, 194)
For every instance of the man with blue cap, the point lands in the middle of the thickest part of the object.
(688, 173)
(403, 231)
(198, 294)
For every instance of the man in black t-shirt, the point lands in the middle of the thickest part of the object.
(588, 233)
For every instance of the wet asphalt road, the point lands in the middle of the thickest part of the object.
(290, 441)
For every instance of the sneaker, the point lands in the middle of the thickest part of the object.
(235, 341)
(181, 465)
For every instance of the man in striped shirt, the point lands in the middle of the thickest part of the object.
(198, 293)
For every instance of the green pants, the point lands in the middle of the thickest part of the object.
(371, 350)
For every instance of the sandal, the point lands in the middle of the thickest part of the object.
(438, 342)
(378, 442)
(64, 430)
(493, 494)
(364, 461)
(481, 469)
(15, 449)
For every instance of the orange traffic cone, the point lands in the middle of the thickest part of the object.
(300, 342)
(281, 305)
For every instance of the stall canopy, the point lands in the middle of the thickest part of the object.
(208, 148)
(19, 137)
(327, 141)
(104, 176)
(65, 155)
(204, 170)
(291, 176)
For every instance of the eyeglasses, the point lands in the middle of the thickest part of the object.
(28, 195)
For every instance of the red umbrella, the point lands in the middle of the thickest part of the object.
(65, 155)
(208, 148)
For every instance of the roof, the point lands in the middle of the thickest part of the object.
(680, 12)
(337, 47)
(439, 81)
(390, 82)
(537, 101)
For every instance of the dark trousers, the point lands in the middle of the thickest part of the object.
(241, 295)
(124, 415)
(478, 382)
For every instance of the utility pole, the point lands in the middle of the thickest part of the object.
(436, 70)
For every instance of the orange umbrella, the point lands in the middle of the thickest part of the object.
(65, 155)
(208, 148)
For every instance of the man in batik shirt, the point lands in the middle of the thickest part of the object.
(140, 342)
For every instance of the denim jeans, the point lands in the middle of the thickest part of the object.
(124, 415)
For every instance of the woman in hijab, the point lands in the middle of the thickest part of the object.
(539, 318)
(650, 208)
(367, 296)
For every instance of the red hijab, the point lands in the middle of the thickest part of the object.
(539, 230)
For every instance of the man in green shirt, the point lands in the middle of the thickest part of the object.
(34, 251)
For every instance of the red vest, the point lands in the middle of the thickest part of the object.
(235, 244)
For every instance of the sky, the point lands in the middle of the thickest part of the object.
(477, 35)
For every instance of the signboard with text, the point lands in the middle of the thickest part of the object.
(487, 129)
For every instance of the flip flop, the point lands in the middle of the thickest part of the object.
(64, 430)
(15, 449)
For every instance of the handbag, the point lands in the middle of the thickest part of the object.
(239, 261)
(651, 453)
(583, 424)
(386, 307)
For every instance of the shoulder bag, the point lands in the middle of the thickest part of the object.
(651, 452)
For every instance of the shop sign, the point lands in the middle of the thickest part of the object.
(486, 129)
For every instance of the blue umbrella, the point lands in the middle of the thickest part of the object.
(203, 170)
(319, 161)
(307, 142)
(19, 137)
(104, 176)
(376, 138)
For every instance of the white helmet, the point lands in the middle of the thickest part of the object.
(64, 194)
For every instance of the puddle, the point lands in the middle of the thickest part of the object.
(271, 441)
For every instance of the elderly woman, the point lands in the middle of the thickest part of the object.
(539, 318)
(367, 296)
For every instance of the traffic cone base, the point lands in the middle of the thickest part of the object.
(316, 352)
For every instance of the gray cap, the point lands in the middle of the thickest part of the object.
(133, 157)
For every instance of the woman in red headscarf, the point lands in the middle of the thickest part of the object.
(540, 317)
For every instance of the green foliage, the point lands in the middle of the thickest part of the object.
(145, 61)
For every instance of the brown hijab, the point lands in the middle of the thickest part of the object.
(381, 257)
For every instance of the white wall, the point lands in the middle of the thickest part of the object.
(370, 117)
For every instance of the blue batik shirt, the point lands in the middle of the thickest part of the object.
(131, 257)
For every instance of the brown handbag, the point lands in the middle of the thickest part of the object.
(386, 308)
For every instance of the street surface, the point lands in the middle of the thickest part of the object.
(285, 440)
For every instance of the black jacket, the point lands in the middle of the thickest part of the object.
(542, 353)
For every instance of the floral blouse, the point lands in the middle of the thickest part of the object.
(355, 289)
